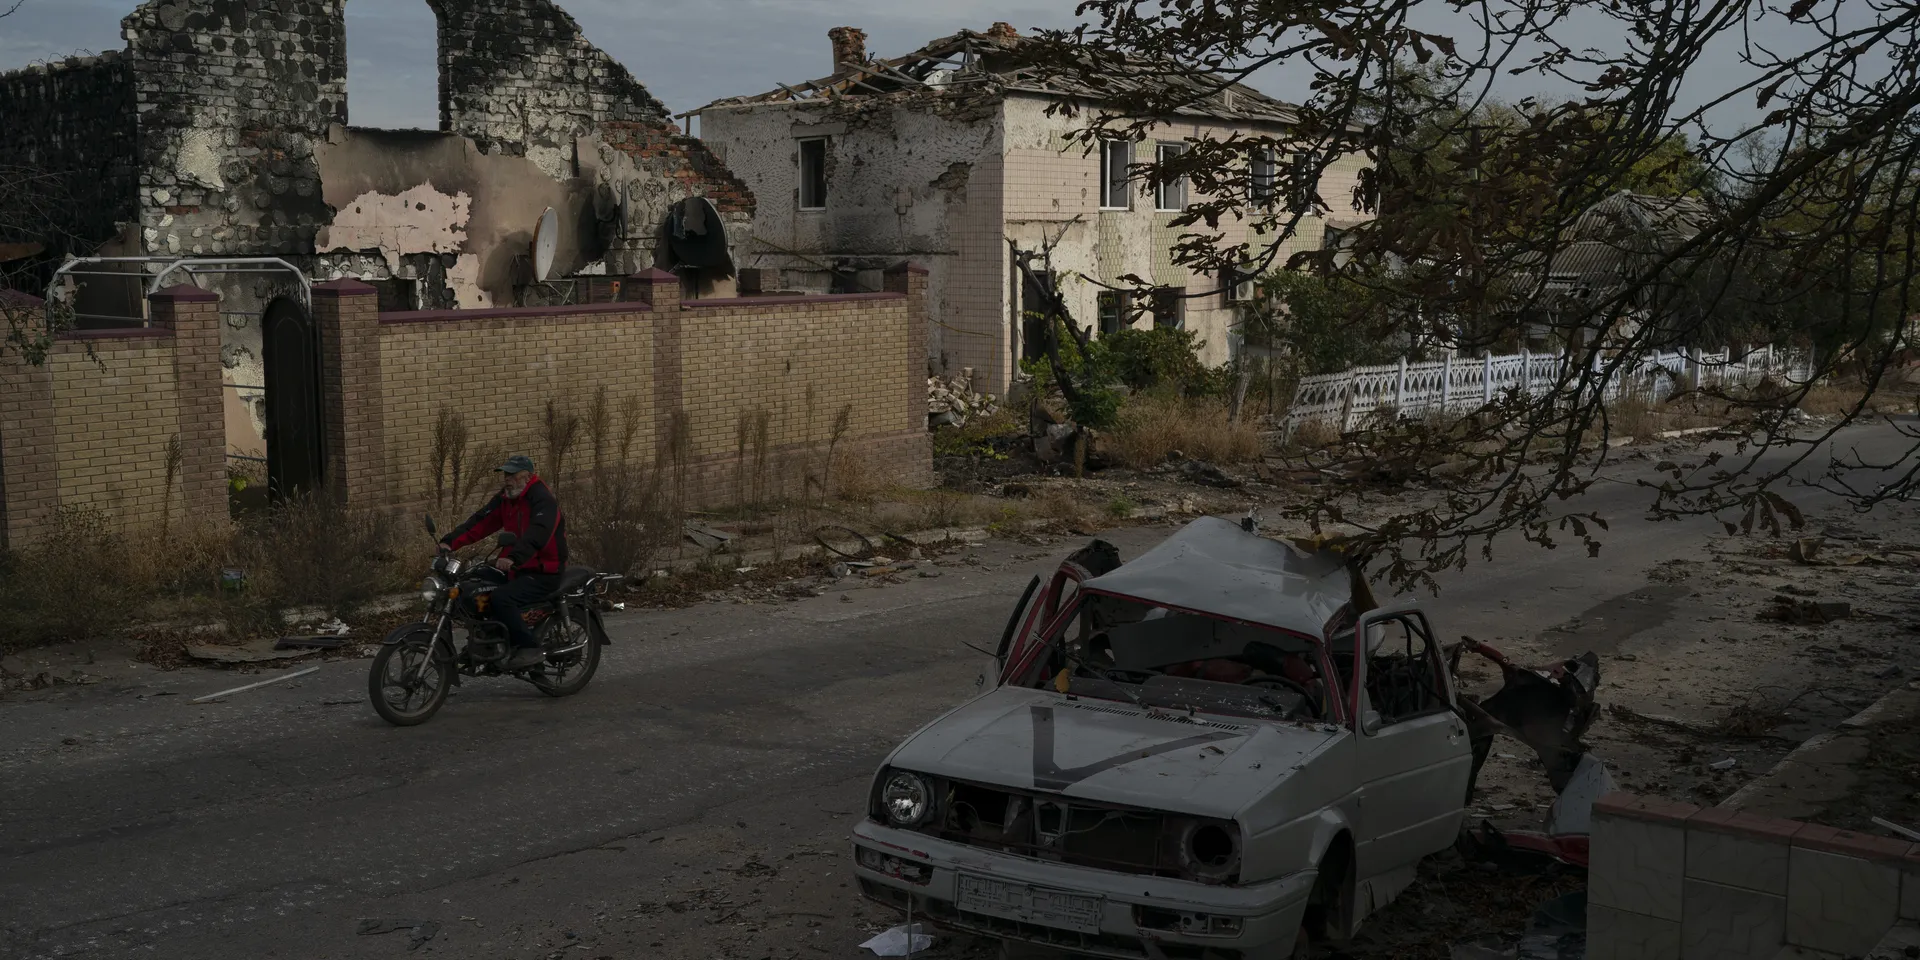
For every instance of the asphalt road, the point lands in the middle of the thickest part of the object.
(715, 739)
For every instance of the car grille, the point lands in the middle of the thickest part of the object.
(1050, 827)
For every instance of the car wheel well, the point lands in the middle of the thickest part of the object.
(1330, 904)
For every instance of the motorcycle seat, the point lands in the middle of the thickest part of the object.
(572, 580)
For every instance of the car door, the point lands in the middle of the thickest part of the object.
(1037, 610)
(1414, 755)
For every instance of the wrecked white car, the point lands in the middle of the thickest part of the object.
(1205, 753)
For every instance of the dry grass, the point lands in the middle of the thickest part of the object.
(1154, 428)
(1834, 399)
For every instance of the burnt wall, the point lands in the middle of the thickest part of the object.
(74, 123)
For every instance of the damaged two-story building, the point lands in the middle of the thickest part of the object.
(951, 157)
(223, 131)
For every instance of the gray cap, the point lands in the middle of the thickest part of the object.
(518, 463)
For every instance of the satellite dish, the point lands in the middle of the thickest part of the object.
(546, 240)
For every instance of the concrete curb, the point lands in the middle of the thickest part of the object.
(1816, 773)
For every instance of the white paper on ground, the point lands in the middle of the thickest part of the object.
(894, 943)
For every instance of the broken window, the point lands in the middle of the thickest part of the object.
(1404, 675)
(1169, 308)
(1115, 156)
(1300, 186)
(813, 173)
(1170, 193)
(393, 79)
(1112, 310)
(1035, 291)
(1260, 176)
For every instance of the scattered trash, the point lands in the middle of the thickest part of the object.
(743, 569)
(1206, 474)
(422, 930)
(839, 571)
(310, 643)
(336, 627)
(1889, 825)
(250, 686)
(1805, 550)
(930, 572)
(899, 942)
(1723, 765)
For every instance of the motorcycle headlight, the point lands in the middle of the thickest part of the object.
(431, 588)
(906, 799)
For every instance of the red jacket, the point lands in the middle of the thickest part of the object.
(534, 517)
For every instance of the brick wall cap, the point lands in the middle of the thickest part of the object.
(117, 333)
(183, 293)
(1816, 836)
(818, 299)
(1633, 806)
(513, 313)
(907, 266)
(346, 287)
(1738, 823)
(655, 275)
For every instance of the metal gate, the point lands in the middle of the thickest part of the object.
(111, 292)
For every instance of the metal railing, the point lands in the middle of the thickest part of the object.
(1458, 385)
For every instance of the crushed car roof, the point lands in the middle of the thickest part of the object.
(1212, 566)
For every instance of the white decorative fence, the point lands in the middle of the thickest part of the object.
(1462, 384)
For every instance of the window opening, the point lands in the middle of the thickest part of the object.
(1170, 308)
(1034, 289)
(813, 174)
(1115, 156)
(393, 66)
(1112, 307)
(1170, 194)
(1403, 670)
(1260, 176)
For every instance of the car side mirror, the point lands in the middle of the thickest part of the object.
(1370, 722)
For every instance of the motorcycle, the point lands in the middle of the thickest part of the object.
(419, 664)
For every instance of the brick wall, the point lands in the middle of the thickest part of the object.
(722, 362)
(1670, 881)
(91, 428)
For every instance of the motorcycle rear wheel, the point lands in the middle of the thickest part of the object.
(393, 671)
(566, 674)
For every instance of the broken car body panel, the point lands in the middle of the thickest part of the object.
(1207, 746)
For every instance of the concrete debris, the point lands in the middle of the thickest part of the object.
(1807, 611)
(1206, 474)
(421, 930)
(256, 651)
(704, 537)
(901, 941)
(951, 401)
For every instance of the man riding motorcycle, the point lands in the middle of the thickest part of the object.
(526, 508)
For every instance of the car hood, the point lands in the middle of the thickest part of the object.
(1113, 752)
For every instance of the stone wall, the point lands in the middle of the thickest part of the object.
(1670, 881)
(74, 123)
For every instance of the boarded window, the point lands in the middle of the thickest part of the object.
(1115, 155)
(1170, 193)
(813, 173)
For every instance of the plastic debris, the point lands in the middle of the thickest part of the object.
(899, 942)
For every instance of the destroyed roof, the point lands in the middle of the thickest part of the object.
(1617, 235)
(1212, 566)
(969, 61)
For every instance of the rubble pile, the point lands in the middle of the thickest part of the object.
(952, 402)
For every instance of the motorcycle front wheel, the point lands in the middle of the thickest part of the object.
(573, 654)
(408, 682)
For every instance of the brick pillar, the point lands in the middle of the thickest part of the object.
(193, 315)
(660, 291)
(29, 447)
(347, 313)
(910, 279)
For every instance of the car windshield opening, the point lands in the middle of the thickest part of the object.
(1116, 648)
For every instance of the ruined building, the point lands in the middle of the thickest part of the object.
(948, 153)
(223, 130)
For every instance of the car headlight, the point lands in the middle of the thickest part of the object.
(906, 799)
(431, 588)
(1210, 850)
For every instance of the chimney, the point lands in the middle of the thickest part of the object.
(1002, 30)
(849, 46)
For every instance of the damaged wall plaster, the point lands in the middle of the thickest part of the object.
(218, 132)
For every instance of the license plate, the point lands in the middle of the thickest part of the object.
(1014, 901)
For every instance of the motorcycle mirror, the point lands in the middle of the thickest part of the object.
(430, 530)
